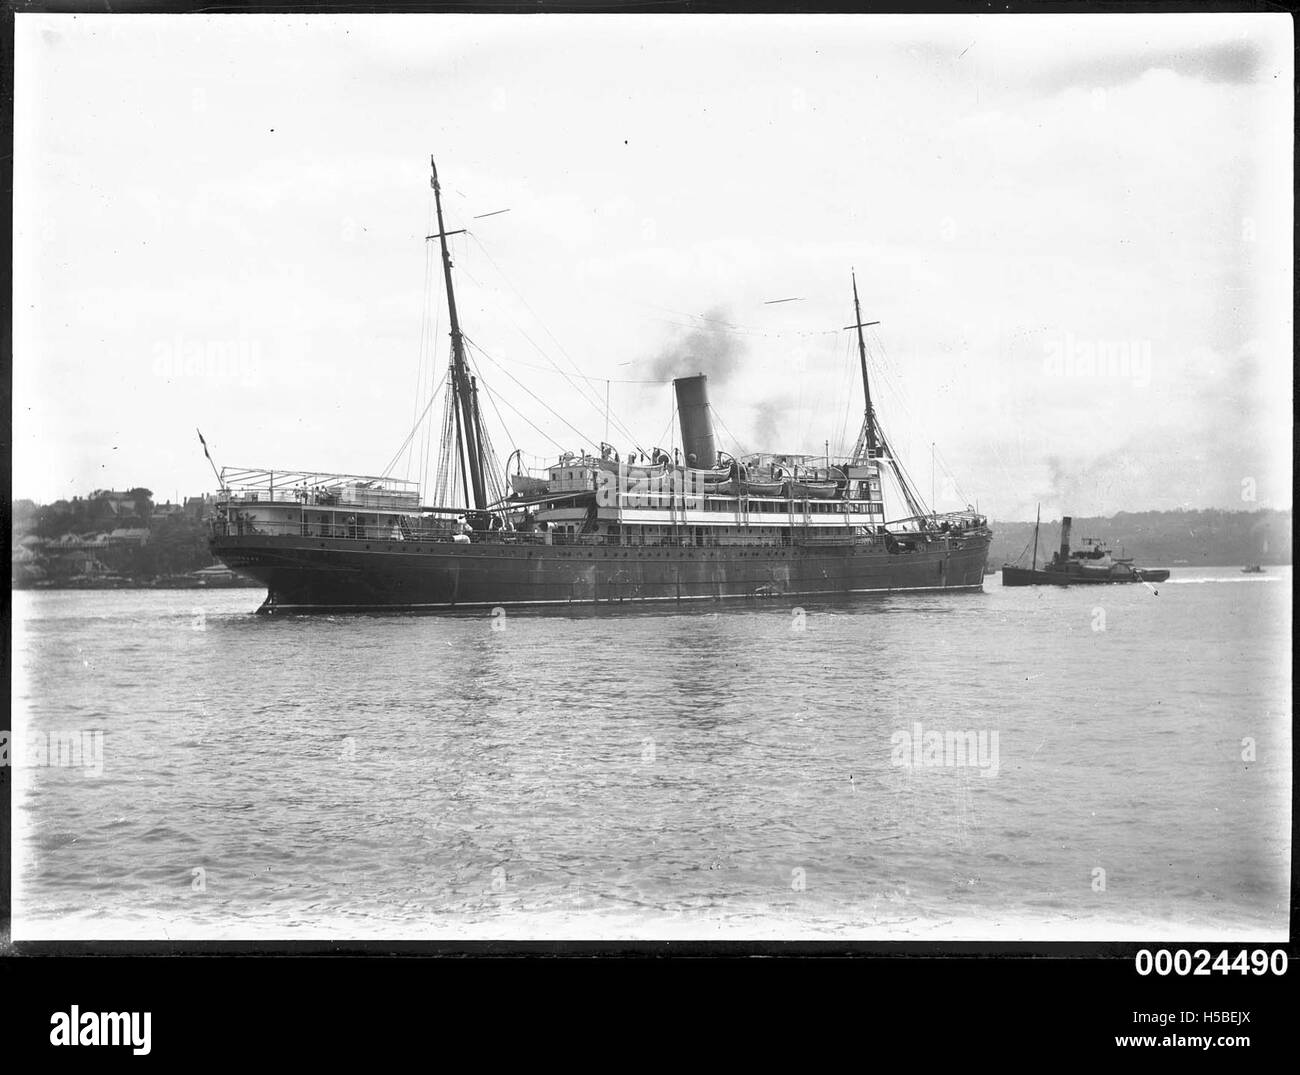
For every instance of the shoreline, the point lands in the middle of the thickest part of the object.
(144, 584)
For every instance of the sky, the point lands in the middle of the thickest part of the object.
(1074, 230)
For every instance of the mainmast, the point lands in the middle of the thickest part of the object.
(871, 441)
(466, 418)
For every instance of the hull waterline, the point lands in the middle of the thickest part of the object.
(309, 575)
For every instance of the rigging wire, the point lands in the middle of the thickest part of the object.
(847, 396)
(430, 349)
(483, 388)
(497, 411)
(419, 367)
(594, 401)
(541, 432)
(816, 390)
(740, 451)
(910, 491)
(1021, 557)
(520, 329)
(448, 456)
(429, 343)
(414, 428)
(669, 427)
(589, 395)
(588, 377)
(581, 436)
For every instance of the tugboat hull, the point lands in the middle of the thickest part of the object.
(315, 575)
(1023, 576)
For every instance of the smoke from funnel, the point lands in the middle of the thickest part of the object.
(766, 427)
(709, 349)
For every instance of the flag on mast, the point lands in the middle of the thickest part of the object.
(213, 465)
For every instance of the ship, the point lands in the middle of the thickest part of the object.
(694, 524)
(1095, 564)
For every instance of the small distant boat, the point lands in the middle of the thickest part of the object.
(1252, 569)
(1079, 567)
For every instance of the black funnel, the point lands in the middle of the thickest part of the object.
(696, 422)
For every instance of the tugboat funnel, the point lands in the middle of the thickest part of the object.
(1065, 537)
(696, 422)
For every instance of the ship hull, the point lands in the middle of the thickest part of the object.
(329, 575)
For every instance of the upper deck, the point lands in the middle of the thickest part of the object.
(245, 486)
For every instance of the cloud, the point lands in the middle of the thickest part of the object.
(1234, 62)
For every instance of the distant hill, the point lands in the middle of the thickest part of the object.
(1160, 538)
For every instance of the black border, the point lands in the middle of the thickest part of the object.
(975, 998)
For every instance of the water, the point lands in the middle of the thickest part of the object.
(713, 772)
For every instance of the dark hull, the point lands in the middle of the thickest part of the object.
(1023, 576)
(315, 574)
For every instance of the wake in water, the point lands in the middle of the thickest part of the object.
(1226, 578)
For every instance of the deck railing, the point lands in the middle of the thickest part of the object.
(247, 485)
(686, 538)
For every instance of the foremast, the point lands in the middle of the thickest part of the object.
(468, 435)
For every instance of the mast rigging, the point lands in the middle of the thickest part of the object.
(867, 439)
(871, 444)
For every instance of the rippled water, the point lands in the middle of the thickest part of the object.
(712, 772)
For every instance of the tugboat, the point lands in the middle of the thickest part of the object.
(1080, 567)
(686, 525)
(1252, 569)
